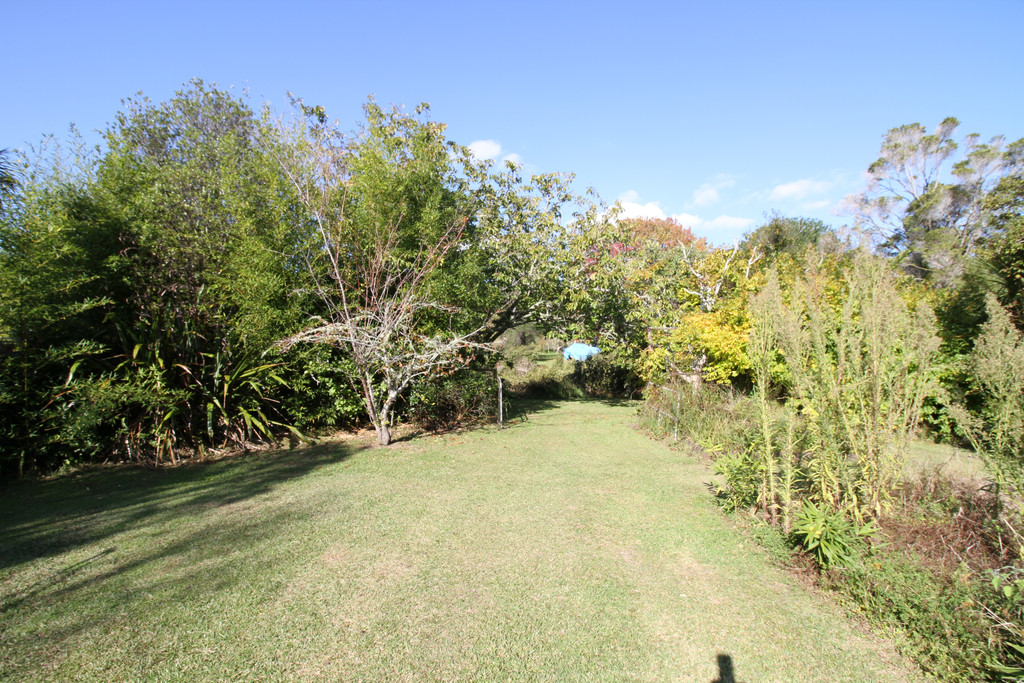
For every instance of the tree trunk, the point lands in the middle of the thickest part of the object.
(383, 423)
(383, 434)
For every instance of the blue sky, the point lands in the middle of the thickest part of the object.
(715, 113)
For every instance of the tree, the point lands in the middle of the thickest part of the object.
(784, 235)
(663, 231)
(205, 215)
(51, 301)
(559, 254)
(1005, 248)
(997, 433)
(922, 206)
(419, 256)
(8, 176)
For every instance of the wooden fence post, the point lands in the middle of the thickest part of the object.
(501, 398)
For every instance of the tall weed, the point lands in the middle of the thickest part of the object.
(861, 363)
(996, 370)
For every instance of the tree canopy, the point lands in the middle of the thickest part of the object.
(216, 275)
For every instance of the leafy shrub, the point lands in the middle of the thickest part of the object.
(939, 618)
(320, 395)
(467, 396)
(1005, 607)
(859, 373)
(606, 375)
(995, 370)
(519, 353)
(717, 419)
(937, 576)
(829, 535)
(544, 381)
(522, 336)
(743, 475)
(523, 364)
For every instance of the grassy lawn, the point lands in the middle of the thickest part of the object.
(545, 358)
(567, 547)
(928, 459)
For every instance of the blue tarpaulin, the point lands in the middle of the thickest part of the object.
(580, 351)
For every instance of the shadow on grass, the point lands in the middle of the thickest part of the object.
(122, 598)
(154, 546)
(615, 402)
(45, 518)
(519, 410)
(725, 670)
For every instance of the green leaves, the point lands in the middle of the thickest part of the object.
(829, 535)
(927, 210)
(994, 371)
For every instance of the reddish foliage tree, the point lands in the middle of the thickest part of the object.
(665, 231)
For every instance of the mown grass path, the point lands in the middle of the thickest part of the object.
(566, 548)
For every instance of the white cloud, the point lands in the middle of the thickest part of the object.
(490, 150)
(800, 189)
(688, 220)
(817, 206)
(637, 210)
(630, 207)
(730, 223)
(704, 195)
(485, 149)
(707, 194)
(629, 202)
(733, 226)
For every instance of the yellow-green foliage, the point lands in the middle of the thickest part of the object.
(718, 338)
(995, 369)
(693, 302)
(861, 363)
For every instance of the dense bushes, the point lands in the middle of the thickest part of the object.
(855, 374)
(843, 359)
(144, 290)
(606, 375)
(543, 381)
(940, 569)
(158, 294)
(718, 419)
(941, 574)
(462, 398)
(316, 393)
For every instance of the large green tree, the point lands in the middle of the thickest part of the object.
(1005, 248)
(144, 284)
(8, 176)
(206, 216)
(924, 200)
(54, 242)
(420, 254)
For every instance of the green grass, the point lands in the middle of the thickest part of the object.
(568, 547)
(545, 358)
(926, 458)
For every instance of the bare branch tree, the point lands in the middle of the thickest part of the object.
(374, 290)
